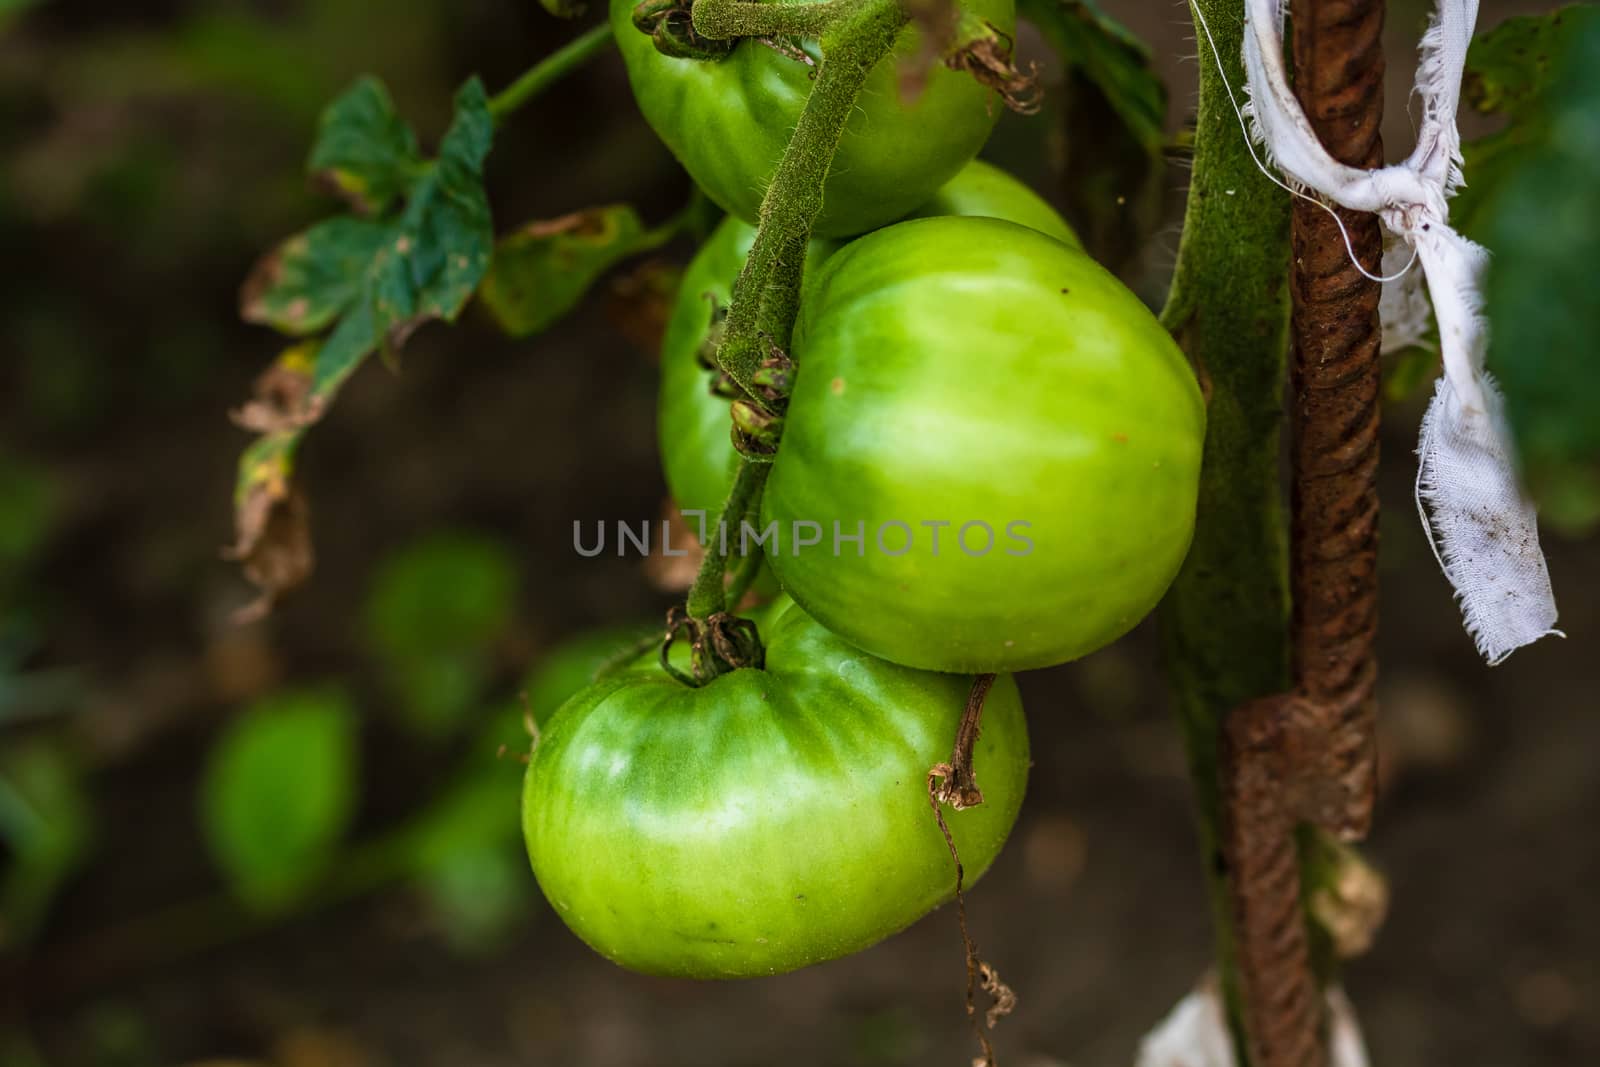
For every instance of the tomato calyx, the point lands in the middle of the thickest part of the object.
(758, 419)
(670, 26)
(988, 58)
(718, 644)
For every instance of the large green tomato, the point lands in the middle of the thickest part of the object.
(976, 374)
(768, 820)
(729, 120)
(692, 424)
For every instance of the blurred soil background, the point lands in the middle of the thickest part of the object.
(149, 152)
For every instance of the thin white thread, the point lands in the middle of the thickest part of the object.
(1249, 147)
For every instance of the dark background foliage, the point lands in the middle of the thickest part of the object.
(148, 153)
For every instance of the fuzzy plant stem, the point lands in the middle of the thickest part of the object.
(855, 36)
(1224, 622)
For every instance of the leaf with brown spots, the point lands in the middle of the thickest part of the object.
(303, 285)
(378, 280)
(364, 152)
(543, 270)
(272, 523)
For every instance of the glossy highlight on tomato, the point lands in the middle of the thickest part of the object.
(692, 424)
(728, 122)
(768, 820)
(974, 373)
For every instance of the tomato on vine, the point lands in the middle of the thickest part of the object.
(770, 819)
(728, 114)
(692, 423)
(1005, 437)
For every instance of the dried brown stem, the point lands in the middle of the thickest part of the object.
(956, 784)
(1309, 756)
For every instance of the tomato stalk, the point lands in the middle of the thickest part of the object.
(727, 19)
(1224, 622)
(708, 597)
(855, 36)
(549, 70)
(767, 297)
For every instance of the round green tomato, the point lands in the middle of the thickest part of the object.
(771, 819)
(692, 423)
(976, 374)
(729, 120)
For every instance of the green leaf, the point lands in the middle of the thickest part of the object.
(1542, 223)
(1408, 372)
(47, 825)
(364, 150)
(278, 794)
(435, 611)
(379, 278)
(441, 247)
(1509, 72)
(1111, 57)
(451, 591)
(27, 516)
(541, 271)
(301, 286)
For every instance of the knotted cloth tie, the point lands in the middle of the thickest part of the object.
(1482, 527)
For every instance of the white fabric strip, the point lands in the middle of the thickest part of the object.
(1482, 526)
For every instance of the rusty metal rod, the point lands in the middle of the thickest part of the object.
(1310, 756)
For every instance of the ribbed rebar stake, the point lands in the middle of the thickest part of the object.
(1339, 68)
(1309, 756)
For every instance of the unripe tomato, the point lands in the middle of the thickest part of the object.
(975, 373)
(729, 120)
(692, 424)
(768, 820)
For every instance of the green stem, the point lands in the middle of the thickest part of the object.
(1224, 622)
(767, 296)
(708, 595)
(549, 70)
(722, 20)
(859, 34)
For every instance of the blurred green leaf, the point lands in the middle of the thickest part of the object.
(1509, 72)
(364, 150)
(1111, 57)
(1511, 67)
(479, 897)
(278, 794)
(449, 591)
(46, 822)
(312, 278)
(386, 278)
(1408, 372)
(1113, 127)
(1542, 222)
(468, 857)
(27, 515)
(540, 272)
(573, 664)
(435, 610)
(442, 244)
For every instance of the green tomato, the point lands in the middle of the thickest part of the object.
(692, 423)
(729, 120)
(975, 373)
(771, 819)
